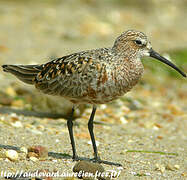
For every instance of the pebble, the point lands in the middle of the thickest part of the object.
(12, 155)
(17, 124)
(170, 167)
(34, 159)
(32, 154)
(160, 168)
(184, 174)
(123, 120)
(176, 166)
(40, 151)
(87, 167)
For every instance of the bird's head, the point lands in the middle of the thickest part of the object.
(135, 44)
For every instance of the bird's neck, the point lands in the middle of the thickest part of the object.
(131, 70)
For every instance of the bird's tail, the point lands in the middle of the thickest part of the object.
(25, 73)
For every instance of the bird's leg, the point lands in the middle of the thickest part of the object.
(90, 128)
(70, 129)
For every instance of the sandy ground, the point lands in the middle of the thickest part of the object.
(145, 130)
(143, 133)
(158, 125)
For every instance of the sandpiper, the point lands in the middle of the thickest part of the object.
(93, 76)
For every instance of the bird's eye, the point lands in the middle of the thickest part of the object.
(138, 42)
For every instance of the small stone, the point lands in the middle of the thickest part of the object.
(12, 155)
(159, 137)
(160, 168)
(40, 127)
(133, 173)
(39, 150)
(87, 167)
(184, 174)
(34, 159)
(123, 120)
(57, 140)
(17, 124)
(14, 117)
(176, 166)
(32, 154)
(120, 168)
(148, 174)
(157, 125)
(170, 167)
(7, 160)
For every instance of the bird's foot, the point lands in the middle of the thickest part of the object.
(95, 160)
(76, 158)
(98, 160)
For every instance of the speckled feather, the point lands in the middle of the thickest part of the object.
(94, 76)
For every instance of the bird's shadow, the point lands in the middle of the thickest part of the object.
(8, 110)
(50, 154)
(61, 155)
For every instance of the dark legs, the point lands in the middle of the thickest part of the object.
(70, 129)
(90, 128)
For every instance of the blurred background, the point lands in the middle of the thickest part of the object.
(35, 31)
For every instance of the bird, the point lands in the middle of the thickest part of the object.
(93, 77)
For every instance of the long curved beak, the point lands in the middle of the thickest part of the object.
(157, 56)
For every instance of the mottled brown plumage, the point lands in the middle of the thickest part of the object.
(94, 76)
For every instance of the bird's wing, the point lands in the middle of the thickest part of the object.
(67, 75)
